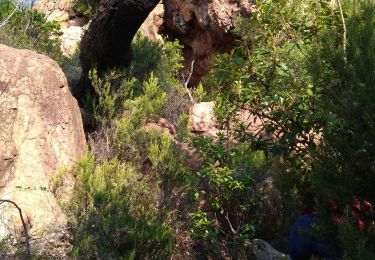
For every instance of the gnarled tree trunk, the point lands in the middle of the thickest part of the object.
(107, 43)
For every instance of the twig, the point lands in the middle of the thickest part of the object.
(10, 15)
(344, 28)
(187, 82)
(23, 224)
(230, 224)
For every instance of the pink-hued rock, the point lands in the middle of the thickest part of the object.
(41, 132)
(153, 25)
(204, 27)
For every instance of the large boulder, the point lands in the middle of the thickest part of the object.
(204, 27)
(40, 133)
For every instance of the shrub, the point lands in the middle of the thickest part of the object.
(29, 29)
(112, 214)
(86, 7)
(345, 161)
(229, 186)
(126, 101)
(304, 68)
(266, 75)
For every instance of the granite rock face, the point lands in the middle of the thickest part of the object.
(204, 27)
(41, 131)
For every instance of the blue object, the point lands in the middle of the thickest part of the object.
(303, 243)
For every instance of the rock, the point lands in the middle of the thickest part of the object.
(202, 119)
(163, 126)
(264, 251)
(49, 6)
(107, 42)
(70, 39)
(55, 10)
(40, 132)
(58, 16)
(72, 24)
(153, 25)
(204, 27)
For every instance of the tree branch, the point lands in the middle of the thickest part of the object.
(23, 224)
(11, 14)
(344, 40)
(187, 82)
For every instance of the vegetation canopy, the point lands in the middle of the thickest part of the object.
(295, 123)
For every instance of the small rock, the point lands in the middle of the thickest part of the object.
(202, 119)
(264, 251)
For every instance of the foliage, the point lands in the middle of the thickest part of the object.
(29, 29)
(135, 142)
(305, 72)
(86, 7)
(150, 60)
(293, 103)
(345, 164)
(108, 102)
(230, 179)
(266, 76)
(149, 162)
(138, 110)
(113, 214)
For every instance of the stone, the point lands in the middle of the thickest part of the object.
(41, 132)
(58, 16)
(264, 251)
(162, 126)
(202, 119)
(153, 25)
(204, 27)
(70, 39)
(49, 6)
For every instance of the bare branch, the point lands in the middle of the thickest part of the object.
(11, 14)
(23, 224)
(187, 82)
(344, 41)
(230, 224)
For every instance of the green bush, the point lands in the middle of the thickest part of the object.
(267, 76)
(113, 214)
(29, 29)
(305, 69)
(86, 7)
(344, 167)
(125, 101)
(229, 185)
